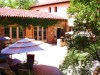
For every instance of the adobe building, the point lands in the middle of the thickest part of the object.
(47, 12)
(56, 7)
(59, 8)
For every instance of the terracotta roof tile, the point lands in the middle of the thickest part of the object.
(50, 2)
(8, 12)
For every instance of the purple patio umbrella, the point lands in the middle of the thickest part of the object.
(22, 46)
(4, 38)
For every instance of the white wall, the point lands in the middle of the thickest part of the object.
(61, 10)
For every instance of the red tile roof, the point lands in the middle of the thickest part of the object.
(8, 12)
(49, 2)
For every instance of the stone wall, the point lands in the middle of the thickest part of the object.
(52, 31)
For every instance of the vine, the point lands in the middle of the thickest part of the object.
(26, 21)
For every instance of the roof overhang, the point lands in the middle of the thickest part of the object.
(20, 13)
(50, 3)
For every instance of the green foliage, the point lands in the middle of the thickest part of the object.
(79, 42)
(20, 4)
(26, 21)
(86, 14)
(87, 18)
(23, 4)
(94, 50)
(72, 59)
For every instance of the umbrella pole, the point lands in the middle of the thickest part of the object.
(11, 56)
(26, 55)
(11, 59)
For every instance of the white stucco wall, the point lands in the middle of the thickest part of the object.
(61, 10)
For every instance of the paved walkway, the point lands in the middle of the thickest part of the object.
(48, 59)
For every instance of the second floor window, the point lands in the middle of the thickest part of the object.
(49, 9)
(55, 9)
(37, 10)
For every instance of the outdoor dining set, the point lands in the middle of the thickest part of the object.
(9, 66)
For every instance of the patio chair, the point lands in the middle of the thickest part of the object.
(24, 72)
(27, 68)
(30, 61)
(5, 69)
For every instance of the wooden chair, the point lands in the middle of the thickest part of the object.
(27, 67)
(5, 69)
(24, 72)
(30, 61)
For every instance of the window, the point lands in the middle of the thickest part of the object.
(7, 31)
(39, 33)
(37, 10)
(49, 9)
(44, 32)
(55, 9)
(20, 32)
(35, 33)
(13, 32)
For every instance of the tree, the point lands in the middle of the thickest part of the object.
(25, 4)
(22, 4)
(87, 20)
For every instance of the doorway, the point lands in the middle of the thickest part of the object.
(59, 32)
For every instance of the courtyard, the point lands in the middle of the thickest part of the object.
(51, 56)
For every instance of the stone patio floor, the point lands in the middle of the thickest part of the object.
(48, 59)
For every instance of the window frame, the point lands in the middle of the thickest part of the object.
(40, 33)
(49, 9)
